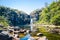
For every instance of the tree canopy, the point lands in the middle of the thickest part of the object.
(50, 14)
(14, 17)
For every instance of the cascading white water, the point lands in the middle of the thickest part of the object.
(31, 25)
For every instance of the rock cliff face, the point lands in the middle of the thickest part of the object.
(35, 14)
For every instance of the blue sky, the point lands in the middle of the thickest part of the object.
(25, 5)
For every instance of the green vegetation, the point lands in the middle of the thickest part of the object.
(13, 17)
(48, 15)
(3, 21)
(42, 29)
(51, 36)
(51, 14)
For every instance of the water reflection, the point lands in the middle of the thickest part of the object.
(25, 37)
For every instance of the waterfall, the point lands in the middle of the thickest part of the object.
(31, 25)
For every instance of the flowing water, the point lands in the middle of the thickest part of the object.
(31, 25)
(28, 35)
(25, 37)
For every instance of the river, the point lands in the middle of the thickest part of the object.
(25, 37)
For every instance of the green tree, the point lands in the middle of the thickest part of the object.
(50, 14)
(3, 21)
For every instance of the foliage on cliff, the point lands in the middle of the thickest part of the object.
(50, 14)
(14, 17)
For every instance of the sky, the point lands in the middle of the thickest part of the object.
(25, 5)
